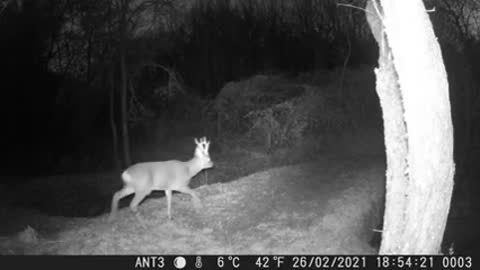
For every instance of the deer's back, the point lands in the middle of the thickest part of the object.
(158, 175)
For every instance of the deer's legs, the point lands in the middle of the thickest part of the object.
(125, 191)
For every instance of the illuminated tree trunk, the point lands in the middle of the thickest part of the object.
(413, 90)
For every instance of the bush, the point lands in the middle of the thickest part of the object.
(288, 122)
(238, 99)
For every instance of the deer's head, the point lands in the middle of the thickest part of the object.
(201, 152)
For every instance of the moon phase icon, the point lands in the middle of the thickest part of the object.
(179, 262)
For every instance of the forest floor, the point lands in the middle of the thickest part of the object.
(308, 208)
(330, 205)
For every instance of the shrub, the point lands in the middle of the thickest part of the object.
(287, 123)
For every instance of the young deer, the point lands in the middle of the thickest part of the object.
(143, 178)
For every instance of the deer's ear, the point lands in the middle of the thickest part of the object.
(196, 140)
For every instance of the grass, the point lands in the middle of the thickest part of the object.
(290, 209)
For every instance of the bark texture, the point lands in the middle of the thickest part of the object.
(413, 90)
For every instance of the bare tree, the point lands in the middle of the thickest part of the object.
(131, 23)
(124, 9)
(413, 90)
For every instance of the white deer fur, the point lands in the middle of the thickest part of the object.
(143, 178)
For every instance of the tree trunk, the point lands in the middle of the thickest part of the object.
(124, 85)
(413, 90)
(113, 125)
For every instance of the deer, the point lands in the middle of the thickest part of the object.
(171, 175)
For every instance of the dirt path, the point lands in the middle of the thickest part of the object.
(326, 207)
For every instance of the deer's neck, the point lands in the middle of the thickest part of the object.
(194, 166)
